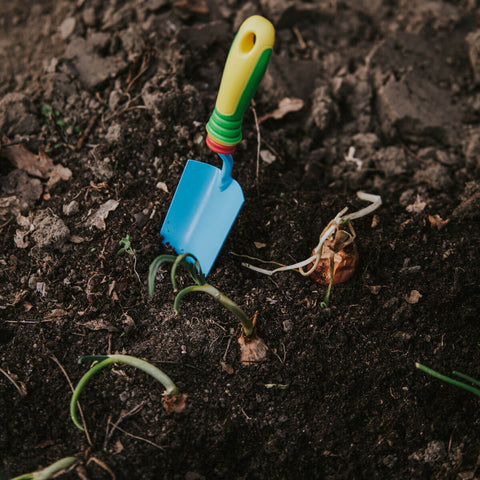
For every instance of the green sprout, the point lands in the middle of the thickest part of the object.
(47, 111)
(126, 243)
(452, 381)
(50, 113)
(171, 389)
(48, 472)
(198, 277)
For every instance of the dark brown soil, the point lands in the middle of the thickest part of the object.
(338, 395)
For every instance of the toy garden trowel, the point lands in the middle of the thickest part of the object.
(208, 199)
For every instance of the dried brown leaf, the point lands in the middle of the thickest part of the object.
(40, 165)
(286, 105)
(227, 367)
(374, 289)
(55, 314)
(20, 157)
(97, 219)
(417, 207)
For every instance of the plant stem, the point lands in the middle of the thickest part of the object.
(326, 300)
(165, 380)
(194, 270)
(247, 324)
(49, 471)
(433, 373)
(152, 273)
(466, 377)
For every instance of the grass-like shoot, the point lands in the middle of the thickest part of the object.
(201, 285)
(50, 471)
(335, 257)
(452, 381)
(193, 269)
(229, 304)
(174, 401)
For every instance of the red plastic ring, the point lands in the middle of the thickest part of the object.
(216, 147)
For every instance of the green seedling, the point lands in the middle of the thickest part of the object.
(192, 268)
(49, 113)
(452, 381)
(253, 349)
(50, 471)
(197, 276)
(173, 400)
(220, 298)
(126, 243)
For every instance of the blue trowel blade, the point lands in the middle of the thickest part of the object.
(201, 213)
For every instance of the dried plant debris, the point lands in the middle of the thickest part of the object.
(97, 219)
(40, 165)
(286, 105)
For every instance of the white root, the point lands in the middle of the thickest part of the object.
(375, 200)
(327, 234)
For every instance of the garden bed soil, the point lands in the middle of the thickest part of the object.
(119, 94)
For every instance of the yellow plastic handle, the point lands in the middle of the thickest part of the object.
(244, 69)
(255, 35)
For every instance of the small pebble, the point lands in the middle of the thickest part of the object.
(287, 325)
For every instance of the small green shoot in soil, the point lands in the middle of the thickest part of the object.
(173, 400)
(50, 471)
(197, 276)
(126, 243)
(50, 113)
(452, 381)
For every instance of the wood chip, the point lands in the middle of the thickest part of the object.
(413, 297)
